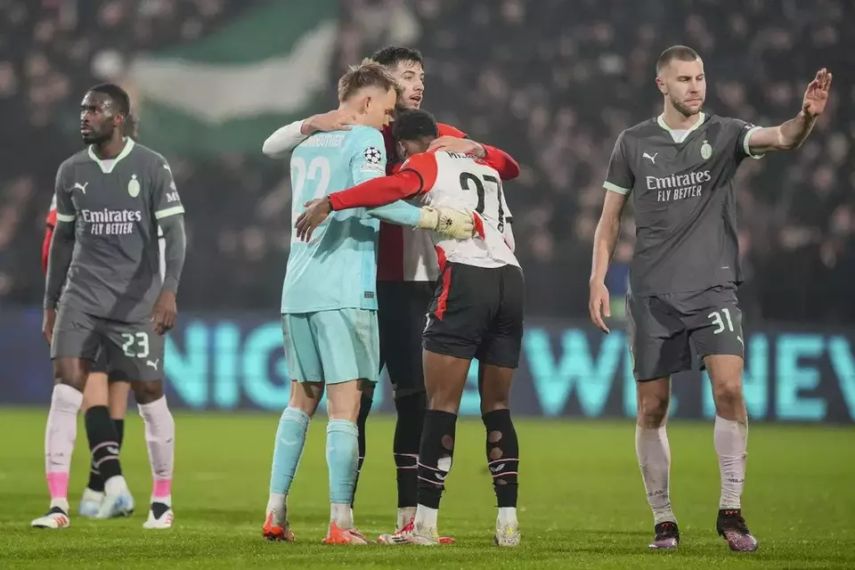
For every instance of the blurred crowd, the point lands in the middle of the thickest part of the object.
(551, 81)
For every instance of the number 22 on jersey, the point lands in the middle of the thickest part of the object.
(309, 181)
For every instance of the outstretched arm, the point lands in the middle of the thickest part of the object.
(791, 134)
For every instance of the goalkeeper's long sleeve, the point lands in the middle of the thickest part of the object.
(284, 140)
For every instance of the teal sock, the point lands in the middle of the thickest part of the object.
(342, 460)
(288, 448)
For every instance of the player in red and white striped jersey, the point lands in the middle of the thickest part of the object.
(407, 271)
(476, 312)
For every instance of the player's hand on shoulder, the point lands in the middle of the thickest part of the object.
(457, 146)
(314, 215)
(165, 312)
(48, 320)
(335, 120)
(599, 305)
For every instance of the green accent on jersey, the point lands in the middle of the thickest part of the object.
(108, 167)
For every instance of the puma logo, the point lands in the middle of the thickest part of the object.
(152, 363)
(652, 157)
(81, 186)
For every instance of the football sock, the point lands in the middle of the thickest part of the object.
(435, 456)
(408, 432)
(60, 433)
(160, 441)
(731, 442)
(342, 462)
(654, 458)
(287, 449)
(103, 443)
(502, 456)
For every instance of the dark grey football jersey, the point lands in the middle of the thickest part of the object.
(115, 207)
(685, 208)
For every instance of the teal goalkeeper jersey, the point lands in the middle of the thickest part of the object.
(337, 268)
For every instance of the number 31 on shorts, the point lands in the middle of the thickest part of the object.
(722, 321)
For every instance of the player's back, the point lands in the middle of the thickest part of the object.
(464, 182)
(337, 268)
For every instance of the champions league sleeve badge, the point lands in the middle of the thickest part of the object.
(373, 155)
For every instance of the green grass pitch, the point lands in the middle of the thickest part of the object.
(581, 500)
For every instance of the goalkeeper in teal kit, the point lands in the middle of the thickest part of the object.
(329, 305)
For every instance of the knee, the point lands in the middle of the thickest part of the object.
(728, 394)
(652, 410)
(148, 392)
(442, 403)
(494, 404)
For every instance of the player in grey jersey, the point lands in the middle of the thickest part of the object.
(678, 171)
(104, 292)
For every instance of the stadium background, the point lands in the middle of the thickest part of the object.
(210, 79)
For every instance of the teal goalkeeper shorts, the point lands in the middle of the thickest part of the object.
(332, 346)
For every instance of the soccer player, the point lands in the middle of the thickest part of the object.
(407, 273)
(104, 292)
(102, 395)
(678, 170)
(329, 304)
(476, 311)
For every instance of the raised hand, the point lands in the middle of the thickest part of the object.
(816, 94)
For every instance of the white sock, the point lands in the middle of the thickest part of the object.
(426, 518)
(405, 515)
(654, 458)
(276, 502)
(342, 515)
(731, 443)
(507, 516)
(160, 441)
(115, 485)
(60, 434)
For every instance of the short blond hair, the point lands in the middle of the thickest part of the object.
(369, 73)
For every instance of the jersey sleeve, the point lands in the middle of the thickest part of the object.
(425, 166)
(62, 198)
(166, 200)
(743, 131)
(445, 130)
(619, 178)
(368, 155)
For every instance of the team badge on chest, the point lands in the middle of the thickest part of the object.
(706, 150)
(134, 186)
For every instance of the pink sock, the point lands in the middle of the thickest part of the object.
(60, 434)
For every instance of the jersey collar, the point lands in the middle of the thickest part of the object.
(661, 121)
(107, 166)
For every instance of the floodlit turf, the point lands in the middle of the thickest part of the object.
(582, 502)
